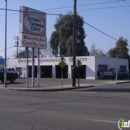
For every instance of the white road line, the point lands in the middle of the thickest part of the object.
(104, 121)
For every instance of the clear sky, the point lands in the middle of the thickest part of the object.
(109, 16)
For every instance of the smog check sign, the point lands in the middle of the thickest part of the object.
(33, 25)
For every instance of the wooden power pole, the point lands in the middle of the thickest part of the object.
(74, 45)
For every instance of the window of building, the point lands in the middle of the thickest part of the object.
(102, 67)
(123, 68)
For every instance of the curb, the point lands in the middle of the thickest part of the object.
(48, 90)
(122, 82)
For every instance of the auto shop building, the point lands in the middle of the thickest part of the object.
(49, 67)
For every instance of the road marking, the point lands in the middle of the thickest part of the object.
(104, 121)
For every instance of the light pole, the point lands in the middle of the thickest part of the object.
(5, 43)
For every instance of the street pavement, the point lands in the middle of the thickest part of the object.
(50, 84)
(94, 108)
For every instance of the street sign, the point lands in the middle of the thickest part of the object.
(62, 64)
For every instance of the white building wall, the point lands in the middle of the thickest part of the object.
(90, 68)
(13, 63)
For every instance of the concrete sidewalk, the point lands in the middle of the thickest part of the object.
(54, 86)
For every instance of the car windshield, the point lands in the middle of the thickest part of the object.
(11, 69)
(114, 70)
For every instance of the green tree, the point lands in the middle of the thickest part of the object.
(121, 50)
(62, 37)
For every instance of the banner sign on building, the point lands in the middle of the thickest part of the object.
(32, 28)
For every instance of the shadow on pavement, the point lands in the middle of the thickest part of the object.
(121, 90)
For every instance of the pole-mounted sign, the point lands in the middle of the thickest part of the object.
(32, 33)
(62, 64)
(32, 28)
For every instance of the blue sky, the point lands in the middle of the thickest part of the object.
(113, 21)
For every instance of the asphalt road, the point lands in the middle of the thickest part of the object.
(97, 108)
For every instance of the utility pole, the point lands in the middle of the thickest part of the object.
(17, 42)
(74, 45)
(5, 44)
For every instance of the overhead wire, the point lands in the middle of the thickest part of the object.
(90, 26)
(101, 31)
(28, 12)
(69, 10)
(123, 6)
(7, 48)
(106, 7)
(85, 5)
(80, 9)
(111, 7)
(127, 4)
(67, 6)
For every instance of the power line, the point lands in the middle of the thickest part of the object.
(127, 4)
(28, 12)
(85, 5)
(7, 48)
(79, 9)
(112, 7)
(100, 31)
(83, 9)
(123, 6)
(9, 14)
(66, 7)
(106, 7)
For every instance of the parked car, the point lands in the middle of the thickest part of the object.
(112, 74)
(10, 75)
(11, 70)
